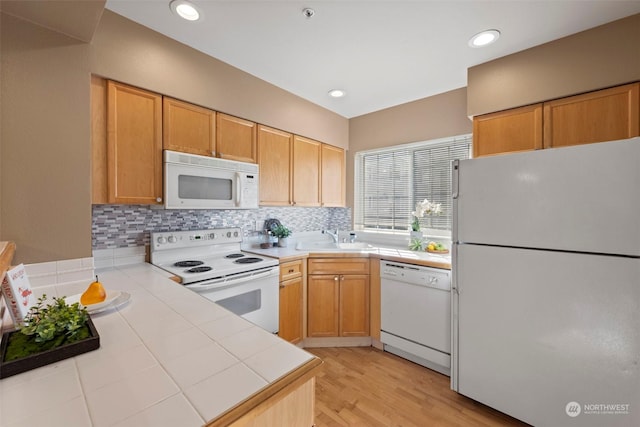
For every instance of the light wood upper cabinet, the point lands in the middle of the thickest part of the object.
(599, 116)
(332, 176)
(134, 145)
(236, 139)
(188, 128)
(306, 171)
(99, 193)
(275, 149)
(518, 129)
(603, 115)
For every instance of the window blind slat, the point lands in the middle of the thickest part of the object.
(389, 182)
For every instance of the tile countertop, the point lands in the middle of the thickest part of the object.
(393, 254)
(168, 357)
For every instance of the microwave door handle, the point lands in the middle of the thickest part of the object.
(238, 189)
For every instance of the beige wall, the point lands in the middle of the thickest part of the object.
(604, 56)
(45, 199)
(128, 52)
(429, 118)
(45, 203)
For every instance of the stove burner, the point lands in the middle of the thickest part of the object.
(187, 263)
(199, 269)
(250, 260)
(234, 256)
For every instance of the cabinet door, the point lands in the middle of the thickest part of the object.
(236, 139)
(188, 128)
(99, 186)
(290, 327)
(354, 306)
(275, 158)
(518, 129)
(306, 172)
(134, 145)
(604, 115)
(323, 299)
(332, 176)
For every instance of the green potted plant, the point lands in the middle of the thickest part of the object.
(48, 334)
(282, 233)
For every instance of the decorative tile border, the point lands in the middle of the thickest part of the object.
(119, 226)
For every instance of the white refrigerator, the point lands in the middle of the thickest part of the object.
(546, 284)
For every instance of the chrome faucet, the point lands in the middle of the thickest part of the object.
(333, 235)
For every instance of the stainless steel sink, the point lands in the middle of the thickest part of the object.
(335, 247)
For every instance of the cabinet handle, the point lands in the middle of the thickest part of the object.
(291, 270)
(335, 278)
(341, 277)
(281, 286)
(159, 199)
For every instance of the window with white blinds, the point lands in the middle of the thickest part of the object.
(389, 182)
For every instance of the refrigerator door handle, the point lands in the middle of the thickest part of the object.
(455, 164)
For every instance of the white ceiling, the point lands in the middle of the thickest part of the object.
(383, 53)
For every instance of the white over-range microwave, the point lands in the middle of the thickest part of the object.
(201, 182)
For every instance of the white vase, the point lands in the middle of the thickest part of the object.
(282, 242)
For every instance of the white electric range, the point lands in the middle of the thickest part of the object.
(211, 263)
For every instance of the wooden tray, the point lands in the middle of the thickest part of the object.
(47, 357)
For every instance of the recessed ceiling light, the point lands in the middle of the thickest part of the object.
(337, 93)
(484, 38)
(185, 10)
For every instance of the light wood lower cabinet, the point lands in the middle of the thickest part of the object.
(291, 301)
(338, 302)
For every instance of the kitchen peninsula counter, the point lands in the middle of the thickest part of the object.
(167, 357)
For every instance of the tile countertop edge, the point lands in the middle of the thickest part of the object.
(400, 255)
(269, 395)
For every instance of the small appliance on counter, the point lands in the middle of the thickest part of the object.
(269, 226)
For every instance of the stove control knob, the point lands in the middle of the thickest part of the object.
(162, 240)
(212, 236)
(235, 234)
(228, 234)
(172, 239)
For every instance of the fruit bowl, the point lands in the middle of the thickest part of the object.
(436, 248)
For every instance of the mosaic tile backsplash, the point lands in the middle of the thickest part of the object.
(119, 226)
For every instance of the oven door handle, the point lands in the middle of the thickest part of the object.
(224, 282)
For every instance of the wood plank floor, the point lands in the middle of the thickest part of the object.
(364, 386)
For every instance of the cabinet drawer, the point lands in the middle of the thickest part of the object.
(290, 270)
(338, 266)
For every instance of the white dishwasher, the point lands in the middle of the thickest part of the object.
(416, 314)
